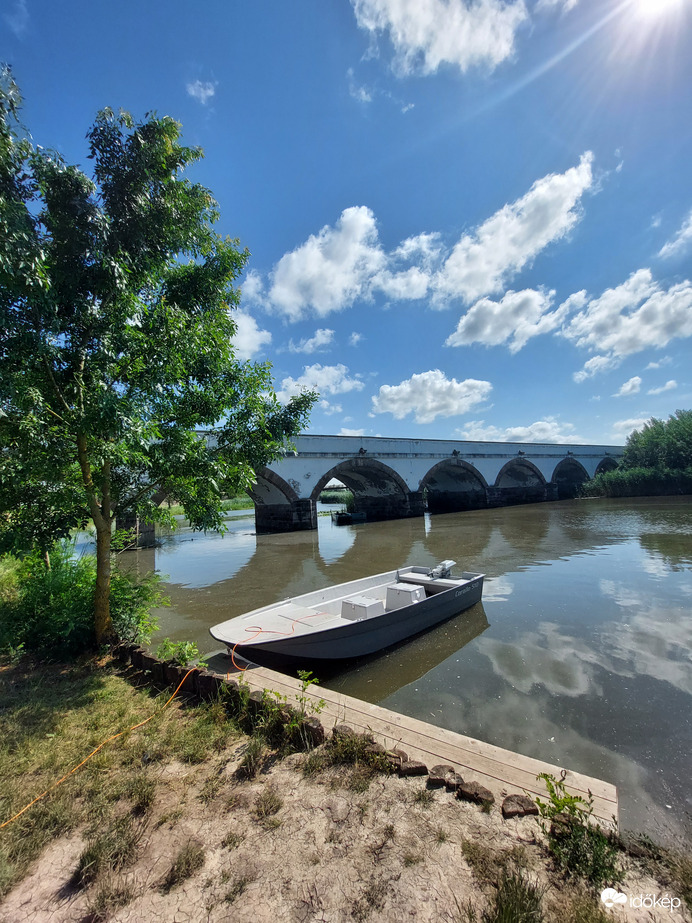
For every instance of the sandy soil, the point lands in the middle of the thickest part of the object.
(326, 853)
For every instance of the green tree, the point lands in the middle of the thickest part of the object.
(661, 444)
(116, 309)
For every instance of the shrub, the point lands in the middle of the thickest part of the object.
(50, 611)
(579, 847)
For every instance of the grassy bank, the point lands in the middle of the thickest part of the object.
(201, 813)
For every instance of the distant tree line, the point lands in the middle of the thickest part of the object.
(657, 462)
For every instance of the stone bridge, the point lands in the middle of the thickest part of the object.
(395, 478)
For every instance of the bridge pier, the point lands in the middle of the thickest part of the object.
(294, 516)
(144, 532)
(512, 496)
(390, 506)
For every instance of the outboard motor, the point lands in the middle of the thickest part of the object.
(443, 569)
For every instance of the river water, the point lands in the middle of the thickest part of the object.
(579, 654)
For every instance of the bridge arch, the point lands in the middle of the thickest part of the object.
(379, 492)
(606, 464)
(520, 481)
(278, 508)
(453, 485)
(568, 476)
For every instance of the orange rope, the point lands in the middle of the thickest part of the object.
(269, 631)
(94, 752)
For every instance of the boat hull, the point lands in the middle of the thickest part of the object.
(365, 636)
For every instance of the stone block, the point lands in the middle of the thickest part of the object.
(518, 806)
(413, 768)
(437, 777)
(476, 793)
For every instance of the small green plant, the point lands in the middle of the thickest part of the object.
(306, 680)
(579, 847)
(184, 653)
(189, 860)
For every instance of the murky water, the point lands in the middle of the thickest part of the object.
(580, 653)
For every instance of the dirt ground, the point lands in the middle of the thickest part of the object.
(289, 847)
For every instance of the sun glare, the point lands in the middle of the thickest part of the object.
(655, 9)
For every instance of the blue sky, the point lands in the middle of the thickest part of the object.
(467, 218)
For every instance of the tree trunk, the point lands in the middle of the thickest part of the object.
(102, 607)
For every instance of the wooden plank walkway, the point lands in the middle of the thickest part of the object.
(502, 771)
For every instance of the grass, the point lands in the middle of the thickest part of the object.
(189, 860)
(516, 900)
(109, 850)
(51, 718)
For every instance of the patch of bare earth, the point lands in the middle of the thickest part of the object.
(289, 847)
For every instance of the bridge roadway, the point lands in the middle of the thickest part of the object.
(397, 478)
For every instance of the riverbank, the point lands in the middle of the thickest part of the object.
(191, 814)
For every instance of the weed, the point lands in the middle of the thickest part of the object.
(253, 759)
(109, 850)
(267, 803)
(184, 653)
(378, 849)
(483, 861)
(108, 897)
(517, 900)
(237, 888)
(360, 778)
(372, 898)
(579, 848)
(232, 840)
(585, 908)
(142, 793)
(189, 860)
(441, 835)
(424, 797)
(411, 858)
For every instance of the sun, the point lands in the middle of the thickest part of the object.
(656, 9)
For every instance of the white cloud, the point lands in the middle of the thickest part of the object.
(668, 386)
(344, 263)
(681, 243)
(636, 315)
(331, 269)
(202, 91)
(327, 379)
(517, 317)
(622, 428)
(360, 93)
(329, 409)
(248, 339)
(355, 338)
(482, 262)
(632, 386)
(321, 340)
(429, 395)
(18, 18)
(564, 5)
(253, 287)
(666, 360)
(429, 33)
(595, 366)
(549, 430)
(345, 431)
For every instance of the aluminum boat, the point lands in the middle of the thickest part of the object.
(355, 618)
